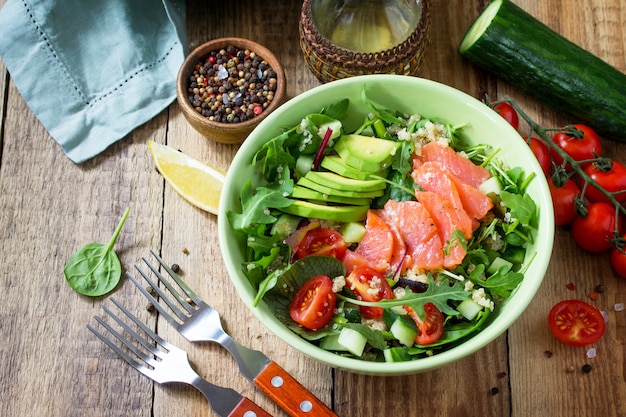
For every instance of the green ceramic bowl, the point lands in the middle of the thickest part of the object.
(410, 95)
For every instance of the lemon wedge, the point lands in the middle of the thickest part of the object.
(198, 183)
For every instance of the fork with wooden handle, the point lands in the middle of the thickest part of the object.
(198, 321)
(163, 363)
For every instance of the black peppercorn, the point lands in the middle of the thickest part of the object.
(239, 79)
(587, 368)
(175, 268)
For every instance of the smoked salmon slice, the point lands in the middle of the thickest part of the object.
(444, 217)
(424, 249)
(463, 168)
(377, 245)
(431, 176)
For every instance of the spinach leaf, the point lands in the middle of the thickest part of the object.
(95, 269)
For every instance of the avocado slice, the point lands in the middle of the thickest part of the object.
(303, 193)
(337, 165)
(330, 179)
(334, 213)
(307, 183)
(366, 153)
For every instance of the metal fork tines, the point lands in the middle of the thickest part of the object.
(163, 362)
(193, 318)
(198, 322)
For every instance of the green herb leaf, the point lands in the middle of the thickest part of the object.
(95, 269)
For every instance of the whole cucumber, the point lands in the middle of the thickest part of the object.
(513, 45)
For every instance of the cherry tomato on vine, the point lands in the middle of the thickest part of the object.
(618, 260)
(314, 303)
(508, 113)
(430, 327)
(595, 231)
(542, 153)
(369, 285)
(322, 242)
(576, 322)
(612, 178)
(564, 201)
(582, 148)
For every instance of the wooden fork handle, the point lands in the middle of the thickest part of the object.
(246, 408)
(289, 394)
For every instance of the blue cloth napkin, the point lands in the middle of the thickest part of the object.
(93, 70)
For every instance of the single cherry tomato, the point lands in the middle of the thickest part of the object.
(542, 153)
(595, 231)
(430, 327)
(369, 285)
(611, 177)
(314, 303)
(322, 242)
(508, 113)
(576, 322)
(618, 260)
(580, 146)
(564, 201)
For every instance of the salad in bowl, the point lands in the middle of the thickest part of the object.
(382, 234)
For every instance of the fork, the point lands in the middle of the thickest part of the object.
(165, 363)
(197, 321)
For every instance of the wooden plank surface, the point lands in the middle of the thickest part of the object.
(49, 207)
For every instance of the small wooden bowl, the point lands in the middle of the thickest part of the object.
(231, 133)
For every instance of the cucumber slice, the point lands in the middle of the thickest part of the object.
(331, 342)
(353, 341)
(469, 309)
(499, 263)
(491, 185)
(405, 330)
(396, 354)
(513, 45)
(352, 232)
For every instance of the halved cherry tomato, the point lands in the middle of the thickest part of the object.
(314, 303)
(431, 327)
(542, 153)
(588, 146)
(611, 177)
(508, 113)
(618, 260)
(576, 322)
(322, 242)
(564, 201)
(595, 231)
(369, 285)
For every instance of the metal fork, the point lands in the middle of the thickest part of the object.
(165, 363)
(198, 321)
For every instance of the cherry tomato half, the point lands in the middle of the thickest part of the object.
(431, 327)
(564, 201)
(322, 242)
(576, 322)
(314, 303)
(369, 285)
(595, 231)
(582, 148)
(508, 113)
(612, 178)
(542, 153)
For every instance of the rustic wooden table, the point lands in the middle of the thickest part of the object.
(50, 365)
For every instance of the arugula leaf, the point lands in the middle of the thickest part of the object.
(95, 269)
(501, 283)
(386, 115)
(437, 293)
(256, 204)
(337, 110)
